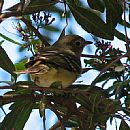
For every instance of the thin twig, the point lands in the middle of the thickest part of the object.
(37, 33)
(124, 8)
(1, 5)
(106, 68)
(97, 56)
(124, 117)
(3, 110)
(126, 35)
(44, 120)
(56, 125)
(65, 13)
(59, 123)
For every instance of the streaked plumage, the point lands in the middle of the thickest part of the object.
(60, 62)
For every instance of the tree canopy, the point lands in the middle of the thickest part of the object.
(97, 102)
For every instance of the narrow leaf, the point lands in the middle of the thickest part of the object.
(120, 35)
(20, 65)
(52, 28)
(9, 39)
(124, 23)
(1, 42)
(17, 118)
(90, 21)
(106, 76)
(97, 5)
(6, 63)
(113, 13)
(124, 126)
(34, 6)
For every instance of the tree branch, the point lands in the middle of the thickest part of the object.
(14, 97)
(56, 125)
(73, 90)
(98, 56)
(10, 14)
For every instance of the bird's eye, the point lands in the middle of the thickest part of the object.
(77, 43)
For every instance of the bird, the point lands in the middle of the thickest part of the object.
(59, 63)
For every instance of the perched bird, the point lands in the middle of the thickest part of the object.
(57, 63)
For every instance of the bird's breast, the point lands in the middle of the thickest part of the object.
(53, 75)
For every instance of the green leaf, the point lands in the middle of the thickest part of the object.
(6, 63)
(1, 42)
(89, 89)
(127, 101)
(114, 12)
(83, 101)
(71, 123)
(17, 118)
(90, 21)
(97, 5)
(105, 76)
(9, 39)
(52, 28)
(119, 35)
(124, 23)
(126, 111)
(124, 126)
(20, 65)
(39, 5)
(34, 6)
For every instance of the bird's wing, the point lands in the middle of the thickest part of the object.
(54, 59)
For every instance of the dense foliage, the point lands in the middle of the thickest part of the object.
(96, 104)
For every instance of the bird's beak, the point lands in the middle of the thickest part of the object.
(88, 42)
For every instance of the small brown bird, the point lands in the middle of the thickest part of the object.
(57, 63)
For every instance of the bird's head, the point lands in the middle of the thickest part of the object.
(72, 43)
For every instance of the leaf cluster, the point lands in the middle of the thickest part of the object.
(95, 104)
